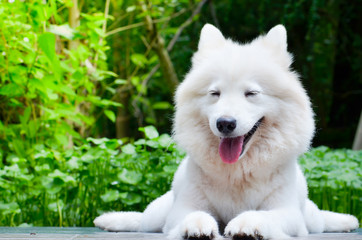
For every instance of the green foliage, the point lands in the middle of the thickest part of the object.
(144, 90)
(49, 94)
(334, 179)
(72, 187)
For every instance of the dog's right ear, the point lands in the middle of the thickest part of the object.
(277, 36)
(210, 38)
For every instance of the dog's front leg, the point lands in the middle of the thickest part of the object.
(195, 225)
(187, 221)
(272, 224)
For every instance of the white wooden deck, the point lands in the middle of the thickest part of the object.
(71, 233)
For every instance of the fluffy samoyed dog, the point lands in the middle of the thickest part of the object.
(243, 118)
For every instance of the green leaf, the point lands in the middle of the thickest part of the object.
(131, 198)
(151, 132)
(9, 207)
(162, 105)
(42, 168)
(131, 8)
(140, 142)
(170, 169)
(113, 144)
(129, 149)
(106, 102)
(120, 81)
(77, 75)
(33, 127)
(26, 225)
(110, 196)
(139, 59)
(51, 95)
(62, 30)
(62, 176)
(55, 205)
(62, 139)
(73, 163)
(97, 141)
(130, 177)
(26, 116)
(47, 44)
(110, 114)
(165, 140)
(11, 90)
(152, 143)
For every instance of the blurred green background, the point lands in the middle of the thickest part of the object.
(85, 84)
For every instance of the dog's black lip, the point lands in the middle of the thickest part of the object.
(248, 136)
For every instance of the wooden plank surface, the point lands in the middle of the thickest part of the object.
(53, 233)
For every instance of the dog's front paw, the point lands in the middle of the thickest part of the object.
(253, 225)
(196, 225)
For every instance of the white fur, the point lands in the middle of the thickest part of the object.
(264, 193)
(119, 221)
(195, 224)
(160, 208)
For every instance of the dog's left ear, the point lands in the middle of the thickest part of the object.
(277, 37)
(210, 38)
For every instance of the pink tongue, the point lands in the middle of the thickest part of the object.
(230, 149)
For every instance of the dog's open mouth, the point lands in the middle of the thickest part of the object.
(230, 149)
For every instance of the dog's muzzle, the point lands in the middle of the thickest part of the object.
(231, 148)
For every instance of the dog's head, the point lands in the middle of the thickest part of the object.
(240, 100)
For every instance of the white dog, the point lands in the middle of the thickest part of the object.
(243, 118)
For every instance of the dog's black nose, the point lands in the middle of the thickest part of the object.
(226, 125)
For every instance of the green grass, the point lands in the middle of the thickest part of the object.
(72, 187)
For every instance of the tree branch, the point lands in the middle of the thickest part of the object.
(136, 25)
(175, 38)
(74, 22)
(185, 24)
(166, 65)
(104, 28)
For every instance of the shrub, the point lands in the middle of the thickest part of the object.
(49, 94)
(72, 187)
(334, 179)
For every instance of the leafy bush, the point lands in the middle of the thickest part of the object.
(334, 179)
(72, 187)
(49, 92)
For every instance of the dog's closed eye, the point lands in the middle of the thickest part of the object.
(215, 93)
(251, 93)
